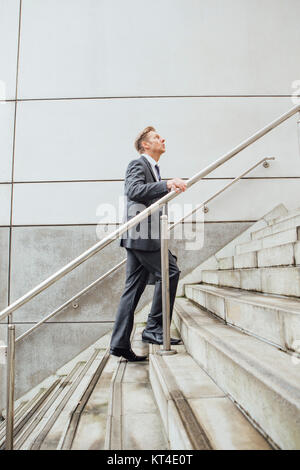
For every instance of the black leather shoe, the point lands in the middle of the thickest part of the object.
(176, 341)
(157, 339)
(127, 354)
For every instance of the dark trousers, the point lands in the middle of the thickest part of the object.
(139, 265)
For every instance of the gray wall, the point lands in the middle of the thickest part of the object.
(82, 77)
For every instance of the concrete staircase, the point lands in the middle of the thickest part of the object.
(233, 384)
(241, 324)
(196, 412)
(269, 262)
(99, 402)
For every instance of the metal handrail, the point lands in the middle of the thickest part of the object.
(72, 299)
(142, 215)
(119, 265)
(10, 381)
(235, 180)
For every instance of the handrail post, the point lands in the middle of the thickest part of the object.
(10, 391)
(298, 129)
(165, 285)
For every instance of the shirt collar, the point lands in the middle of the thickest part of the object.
(150, 159)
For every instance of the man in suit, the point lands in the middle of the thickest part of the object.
(143, 187)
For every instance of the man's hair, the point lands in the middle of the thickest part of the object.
(142, 136)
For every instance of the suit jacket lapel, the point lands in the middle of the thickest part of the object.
(150, 167)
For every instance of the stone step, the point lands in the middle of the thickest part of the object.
(133, 421)
(48, 427)
(273, 319)
(280, 255)
(245, 260)
(280, 211)
(57, 389)
(226, 263)
(38, 406)
(271, 280)
(25, 413)
(91, 427)
(21, 409)
(57, 423)
(196, 413)
(280, 238)
(287, 224)
(284, 216)
(72, 413)
(229, 249)
(262, 380)
(34, 427)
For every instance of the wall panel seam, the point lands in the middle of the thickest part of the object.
(134, 97)
(13, 157)
(220, 178)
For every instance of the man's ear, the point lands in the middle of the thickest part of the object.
(143, 144)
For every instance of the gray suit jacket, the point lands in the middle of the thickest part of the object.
(142, 190)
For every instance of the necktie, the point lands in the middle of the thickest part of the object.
(158, 172)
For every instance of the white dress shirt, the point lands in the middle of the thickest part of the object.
(152, 163)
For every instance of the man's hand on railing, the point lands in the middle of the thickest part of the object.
(177, 184)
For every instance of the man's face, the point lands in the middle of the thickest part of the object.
(155, 144)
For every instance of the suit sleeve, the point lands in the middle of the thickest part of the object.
(136, 188)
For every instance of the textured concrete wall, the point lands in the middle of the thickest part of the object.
(80, 79)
